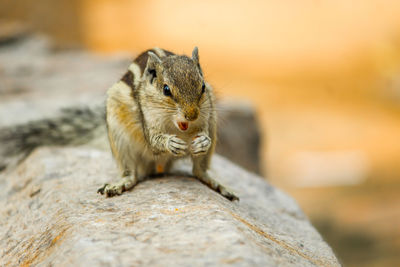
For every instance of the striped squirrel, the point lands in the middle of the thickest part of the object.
(161, 110)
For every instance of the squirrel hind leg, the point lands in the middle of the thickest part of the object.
(200, 166)
(124, 184)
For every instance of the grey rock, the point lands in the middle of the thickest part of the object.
(50, 215)
(239, 135)
(36, 81)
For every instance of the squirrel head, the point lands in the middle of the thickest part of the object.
(179, 85)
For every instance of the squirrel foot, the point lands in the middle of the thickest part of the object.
(176, 146)
(226, 193)
(125, 184)
(200, 144)
(219, 188)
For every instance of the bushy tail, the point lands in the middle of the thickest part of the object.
(75, 125)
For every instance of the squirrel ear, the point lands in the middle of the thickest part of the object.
(195, 54)
(195, 58)
(153, 60)
(153, 65)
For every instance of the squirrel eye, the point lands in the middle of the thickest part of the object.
(203, 88)
(166, 90)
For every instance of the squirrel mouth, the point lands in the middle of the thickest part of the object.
(183, 125)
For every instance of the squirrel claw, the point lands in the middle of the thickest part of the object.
(101, 189)
(176, 146)
(110, 190)
(200, 144)
(227, 193)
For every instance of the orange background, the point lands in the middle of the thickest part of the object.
(324, 77)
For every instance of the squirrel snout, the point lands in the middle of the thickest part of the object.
(185, 117)
(191, 114)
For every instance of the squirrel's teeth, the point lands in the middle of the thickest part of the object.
(183, 125)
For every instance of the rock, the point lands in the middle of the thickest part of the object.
(12, 31)
(50, 214)
(36, 80)
(239, 134)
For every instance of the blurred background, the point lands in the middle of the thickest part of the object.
(324, 77)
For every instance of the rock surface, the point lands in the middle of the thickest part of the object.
(239, 137)
(50, 214)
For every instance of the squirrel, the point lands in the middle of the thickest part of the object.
(161, 110)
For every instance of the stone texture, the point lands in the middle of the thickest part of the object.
(36, 80)
(239, 134)
(50, 214)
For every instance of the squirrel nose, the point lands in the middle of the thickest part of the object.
(191, 114)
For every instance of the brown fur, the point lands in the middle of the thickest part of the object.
(128, 78)
(145, 122)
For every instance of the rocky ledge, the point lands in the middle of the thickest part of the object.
(50, 214)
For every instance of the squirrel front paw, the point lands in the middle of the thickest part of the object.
(176, 146)
(200, 144)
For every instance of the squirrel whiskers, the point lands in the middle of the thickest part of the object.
(162, 109)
